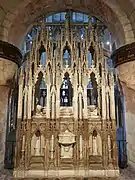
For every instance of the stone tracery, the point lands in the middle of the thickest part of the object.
(79, 145)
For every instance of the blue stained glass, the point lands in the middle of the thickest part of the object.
(43, 59)
(82, 33)
(62, 16)
(49, 19)
(74, 16)
(79, 17)
(89, 86)
(89, 59)
(105, 36)
(43, 85)
(56, 17)
(93, 19)
(85, 17)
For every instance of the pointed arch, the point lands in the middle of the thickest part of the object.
(40, 91)
(96, 142)
(91, 52)
(42, 55)
(37, 144)
(92, 93)
(66, 91)
(67, 55)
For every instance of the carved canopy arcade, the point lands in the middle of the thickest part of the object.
(66, 109)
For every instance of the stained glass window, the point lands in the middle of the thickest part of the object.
(76, 18)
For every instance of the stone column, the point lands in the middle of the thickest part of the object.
(58, 102)
(10, 58)
(53, 106)
(124, 59)
(48, 102)
(112, 99)
(80, 105)
(103, 97)
(75, 98)
(104, 145)
(85, 114)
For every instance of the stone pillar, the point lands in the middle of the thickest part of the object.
(104, 146)
(58, 102)
(48, 102)
(85, 114)
(10, 58)
(53, 106)
(80, 105)
(124, 59)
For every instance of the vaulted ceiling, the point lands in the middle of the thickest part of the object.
(17, 16)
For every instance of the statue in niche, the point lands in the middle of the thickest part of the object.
(37, 148)
(96, 144)
(66, 57)
(38, 144)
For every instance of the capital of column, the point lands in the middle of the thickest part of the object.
(124, 54)
(124, 61)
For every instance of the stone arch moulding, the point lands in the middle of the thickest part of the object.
(27, 12)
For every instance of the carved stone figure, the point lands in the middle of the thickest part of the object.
(38, 148)
(38, 111)
(95, 152)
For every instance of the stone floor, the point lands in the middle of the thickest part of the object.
(125, 174)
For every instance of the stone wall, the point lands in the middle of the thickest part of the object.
(3, 114)
(7, 71)
(126, 73)
(124, 60)
(10, 57)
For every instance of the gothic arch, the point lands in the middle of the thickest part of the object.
(66, 91)
(108, 11)
(67, 56)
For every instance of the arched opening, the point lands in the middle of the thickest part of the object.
(92, 94)
(67, 57)
(37, 144)
(42, 55)
(121, 126)
(40, 91)
(91, 59)
(11, 125)
(66, 91)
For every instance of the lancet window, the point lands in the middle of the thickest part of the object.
(67, 57)
(66, 91)
(40, 91)
(42, 55)
(92, 93)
